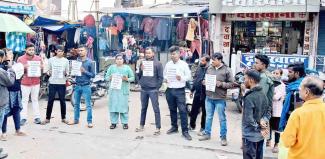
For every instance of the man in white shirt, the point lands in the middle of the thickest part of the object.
(176, 73)
(58, 70)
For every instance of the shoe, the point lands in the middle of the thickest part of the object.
(157, 132)
(224, 142)
(172, 131)
(23, 122)
(139, 129)
(3, 137)
(191, 128)
(205, 137)
(113, 126)
(201, 133)
(187, 136)
(20, 133)
(46, 121)
(125, 126)
(73, 122)
(3, 155)
(90, 125)
(268, 143)
(83, 107)
(275, 149)
(37, 121)
(65, 121)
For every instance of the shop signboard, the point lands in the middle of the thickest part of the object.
(263, 6)
(276, 60)
(226, 40)
(20, 9)
(268, 16)
(307, 38)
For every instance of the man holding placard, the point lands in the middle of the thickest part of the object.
(58, 70)
(150, 79)
(218, 79)
(176, 73)
(30, 83)
(83, 70)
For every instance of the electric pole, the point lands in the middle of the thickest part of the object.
(73, 10)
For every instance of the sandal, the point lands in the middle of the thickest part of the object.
(125, 126)
(157, 132)
(65, 121)
(20, 133)
(46, 121)
(113, 126)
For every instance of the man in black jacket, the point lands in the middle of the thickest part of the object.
(255, 109)
(150, 79)
(199, 93)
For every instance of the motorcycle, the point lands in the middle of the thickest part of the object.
(98, 90)
(238, 95)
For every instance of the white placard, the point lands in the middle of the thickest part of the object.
(210, 82)
(171, 75)
(147, 68)
(57, 71)
(34, 69)
(19, 70)
(116, 82)
(75, 68)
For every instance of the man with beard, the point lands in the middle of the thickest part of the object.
(296, 73)
(150, 85)
(261, 64)
(199, 94)
(30, 84)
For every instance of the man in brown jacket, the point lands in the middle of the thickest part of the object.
(218, 79)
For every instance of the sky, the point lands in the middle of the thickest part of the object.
(84, 5)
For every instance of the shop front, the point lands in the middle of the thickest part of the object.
(280, 30)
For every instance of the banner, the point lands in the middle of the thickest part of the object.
(276, 60)
(47, 7)
(263, 6)
(267, 17)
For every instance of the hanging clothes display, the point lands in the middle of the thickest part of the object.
(77, 36)
(191, 30)
(113, 37)
(135, 24)
(204, 24)
(147, 26)
(181, 29)
(196, 46)
(163, 29)
(16, 41)
(119, 21)
(89, 44)
(89, 20)
(106, 21)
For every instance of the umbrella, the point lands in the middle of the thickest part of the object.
(10, 23)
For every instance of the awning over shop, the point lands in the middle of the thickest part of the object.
(10, 23)
(45, 21)
(258, 6)
(60, 28)
(159, 10)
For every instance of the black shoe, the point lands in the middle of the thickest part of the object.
(23, 122)
(187, 136)
(37, 121)
(172, 131)
(3, 155)
(113, 126)
(125, 126)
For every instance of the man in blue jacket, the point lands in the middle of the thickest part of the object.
(150, 83)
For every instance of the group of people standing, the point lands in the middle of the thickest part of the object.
(296, 109)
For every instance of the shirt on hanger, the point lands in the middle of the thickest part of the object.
(181, 29)
(147, 25)
(119, 22)
(16, 41)
(191, 30)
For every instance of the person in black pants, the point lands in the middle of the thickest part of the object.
(199, 94)
(58, 70)
(150, 84)
(176, 73)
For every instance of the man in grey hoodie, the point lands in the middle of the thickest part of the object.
(7, 78)
(150, 84)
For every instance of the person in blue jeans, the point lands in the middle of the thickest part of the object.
(82, 87)
(215, 97)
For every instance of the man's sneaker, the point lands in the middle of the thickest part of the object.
(3, 155)
(205, 137)
(23, 122)
(201, 133)
(172, 131)
(187, 136)
(139, 129)
(157, 132)
(224, 142)
(90, 125)
(46, 121)
(37, 121)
